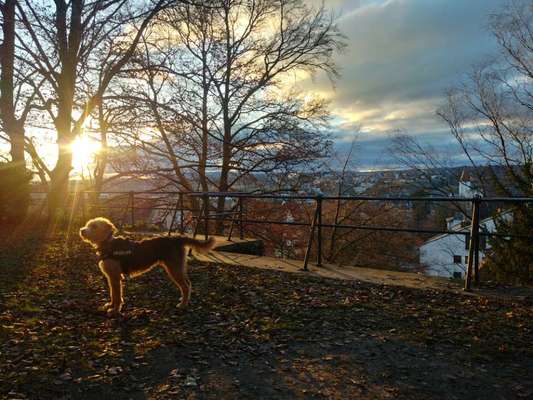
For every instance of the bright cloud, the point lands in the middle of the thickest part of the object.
(402, 56)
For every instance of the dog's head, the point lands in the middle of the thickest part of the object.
(97, 231)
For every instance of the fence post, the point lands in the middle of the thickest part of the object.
(132, 202)
(241, 227)
(310, 242)
(231, 228)
(182, 228)
(206, 215)
(319, 231)
(233, 219)
(477, 202)
(474, 236)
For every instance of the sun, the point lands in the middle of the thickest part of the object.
(84, 149)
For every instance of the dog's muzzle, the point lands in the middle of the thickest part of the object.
(83, 232)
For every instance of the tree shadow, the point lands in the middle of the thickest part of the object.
(264, 334)
(19, 250)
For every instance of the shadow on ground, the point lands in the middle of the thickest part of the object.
(252, 334)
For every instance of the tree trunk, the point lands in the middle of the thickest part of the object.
(16, 137)
(226, 145)
(59, 180)
(224, 172)
(19, 187)
(205, 133)
(223, 186)
(13, 128)
(69, 40)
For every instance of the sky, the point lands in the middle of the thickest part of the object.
(402, 56)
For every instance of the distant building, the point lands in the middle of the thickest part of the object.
(467, 187)
(447, 255)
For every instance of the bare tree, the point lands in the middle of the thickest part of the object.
(217, 90)
(16, 102)
(61, 44)
(491, 118)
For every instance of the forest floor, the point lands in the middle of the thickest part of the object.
(249, 333)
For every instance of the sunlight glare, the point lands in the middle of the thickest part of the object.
(84, 150)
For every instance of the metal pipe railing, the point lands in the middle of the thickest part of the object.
(316, 224)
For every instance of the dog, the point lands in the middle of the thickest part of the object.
(119, 257)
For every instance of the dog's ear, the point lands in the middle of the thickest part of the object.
(109, 225)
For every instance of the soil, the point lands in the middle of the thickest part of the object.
(249, 333)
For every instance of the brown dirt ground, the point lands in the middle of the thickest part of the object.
(250, 333)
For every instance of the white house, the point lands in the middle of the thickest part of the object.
(447, 255)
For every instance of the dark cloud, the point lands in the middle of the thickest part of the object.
(402, 55)
(411, 49)
(373, 151)
(378, 151)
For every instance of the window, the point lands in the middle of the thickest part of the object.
(457, 275)
(457, 259)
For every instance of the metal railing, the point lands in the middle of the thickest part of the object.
(317, 225)
(237, 217)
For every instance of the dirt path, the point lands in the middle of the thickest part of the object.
(371, 275)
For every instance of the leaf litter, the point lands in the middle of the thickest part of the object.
(249, 333)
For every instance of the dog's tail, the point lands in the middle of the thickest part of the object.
(202, 246)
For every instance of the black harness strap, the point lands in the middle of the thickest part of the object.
(118, 249)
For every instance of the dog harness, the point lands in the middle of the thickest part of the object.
(119, 249)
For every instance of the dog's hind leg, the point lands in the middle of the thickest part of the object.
(177, 272)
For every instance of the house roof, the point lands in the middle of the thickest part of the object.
(432, 239)
(465, 228)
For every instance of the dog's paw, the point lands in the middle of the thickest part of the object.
(182, 306)
(105, 307)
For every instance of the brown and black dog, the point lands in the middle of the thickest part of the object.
(120, 257)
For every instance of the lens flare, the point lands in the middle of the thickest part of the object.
(84, 150)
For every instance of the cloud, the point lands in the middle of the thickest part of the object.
(402, 55)
(377, 151)
(411, 49)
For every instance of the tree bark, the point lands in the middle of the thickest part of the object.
(19, 199)
(13, 127)
(69, 41)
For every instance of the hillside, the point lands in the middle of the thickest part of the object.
(249, 333)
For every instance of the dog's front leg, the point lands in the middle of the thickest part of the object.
(106, 306)
(116, 297)
(112, 271)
